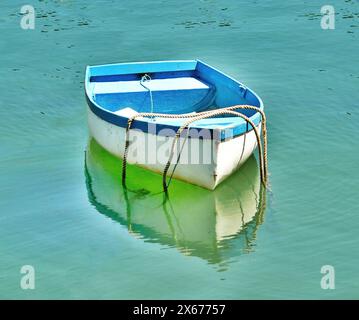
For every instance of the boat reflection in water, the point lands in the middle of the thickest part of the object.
(214, 225)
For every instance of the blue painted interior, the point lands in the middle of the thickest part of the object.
(142, 67)
(172, 101)
(137, 76)
(222, 91)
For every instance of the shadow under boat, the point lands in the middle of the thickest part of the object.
(214, 225)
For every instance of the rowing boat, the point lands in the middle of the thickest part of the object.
(174, 117)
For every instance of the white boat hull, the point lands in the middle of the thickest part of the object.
(223, 158)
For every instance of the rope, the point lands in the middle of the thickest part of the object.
(263, 158)
(208, 115)
(147, 78)
(178, 158)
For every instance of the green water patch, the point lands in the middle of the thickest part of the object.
(197, 221)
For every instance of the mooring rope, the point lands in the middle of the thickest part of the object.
(263, 158)
(178, 158)
(204, 116)
(147, 78)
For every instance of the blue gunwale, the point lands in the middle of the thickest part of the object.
(220, 129)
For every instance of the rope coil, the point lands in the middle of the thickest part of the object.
(262, 149)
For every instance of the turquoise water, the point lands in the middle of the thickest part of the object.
(62, 211)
